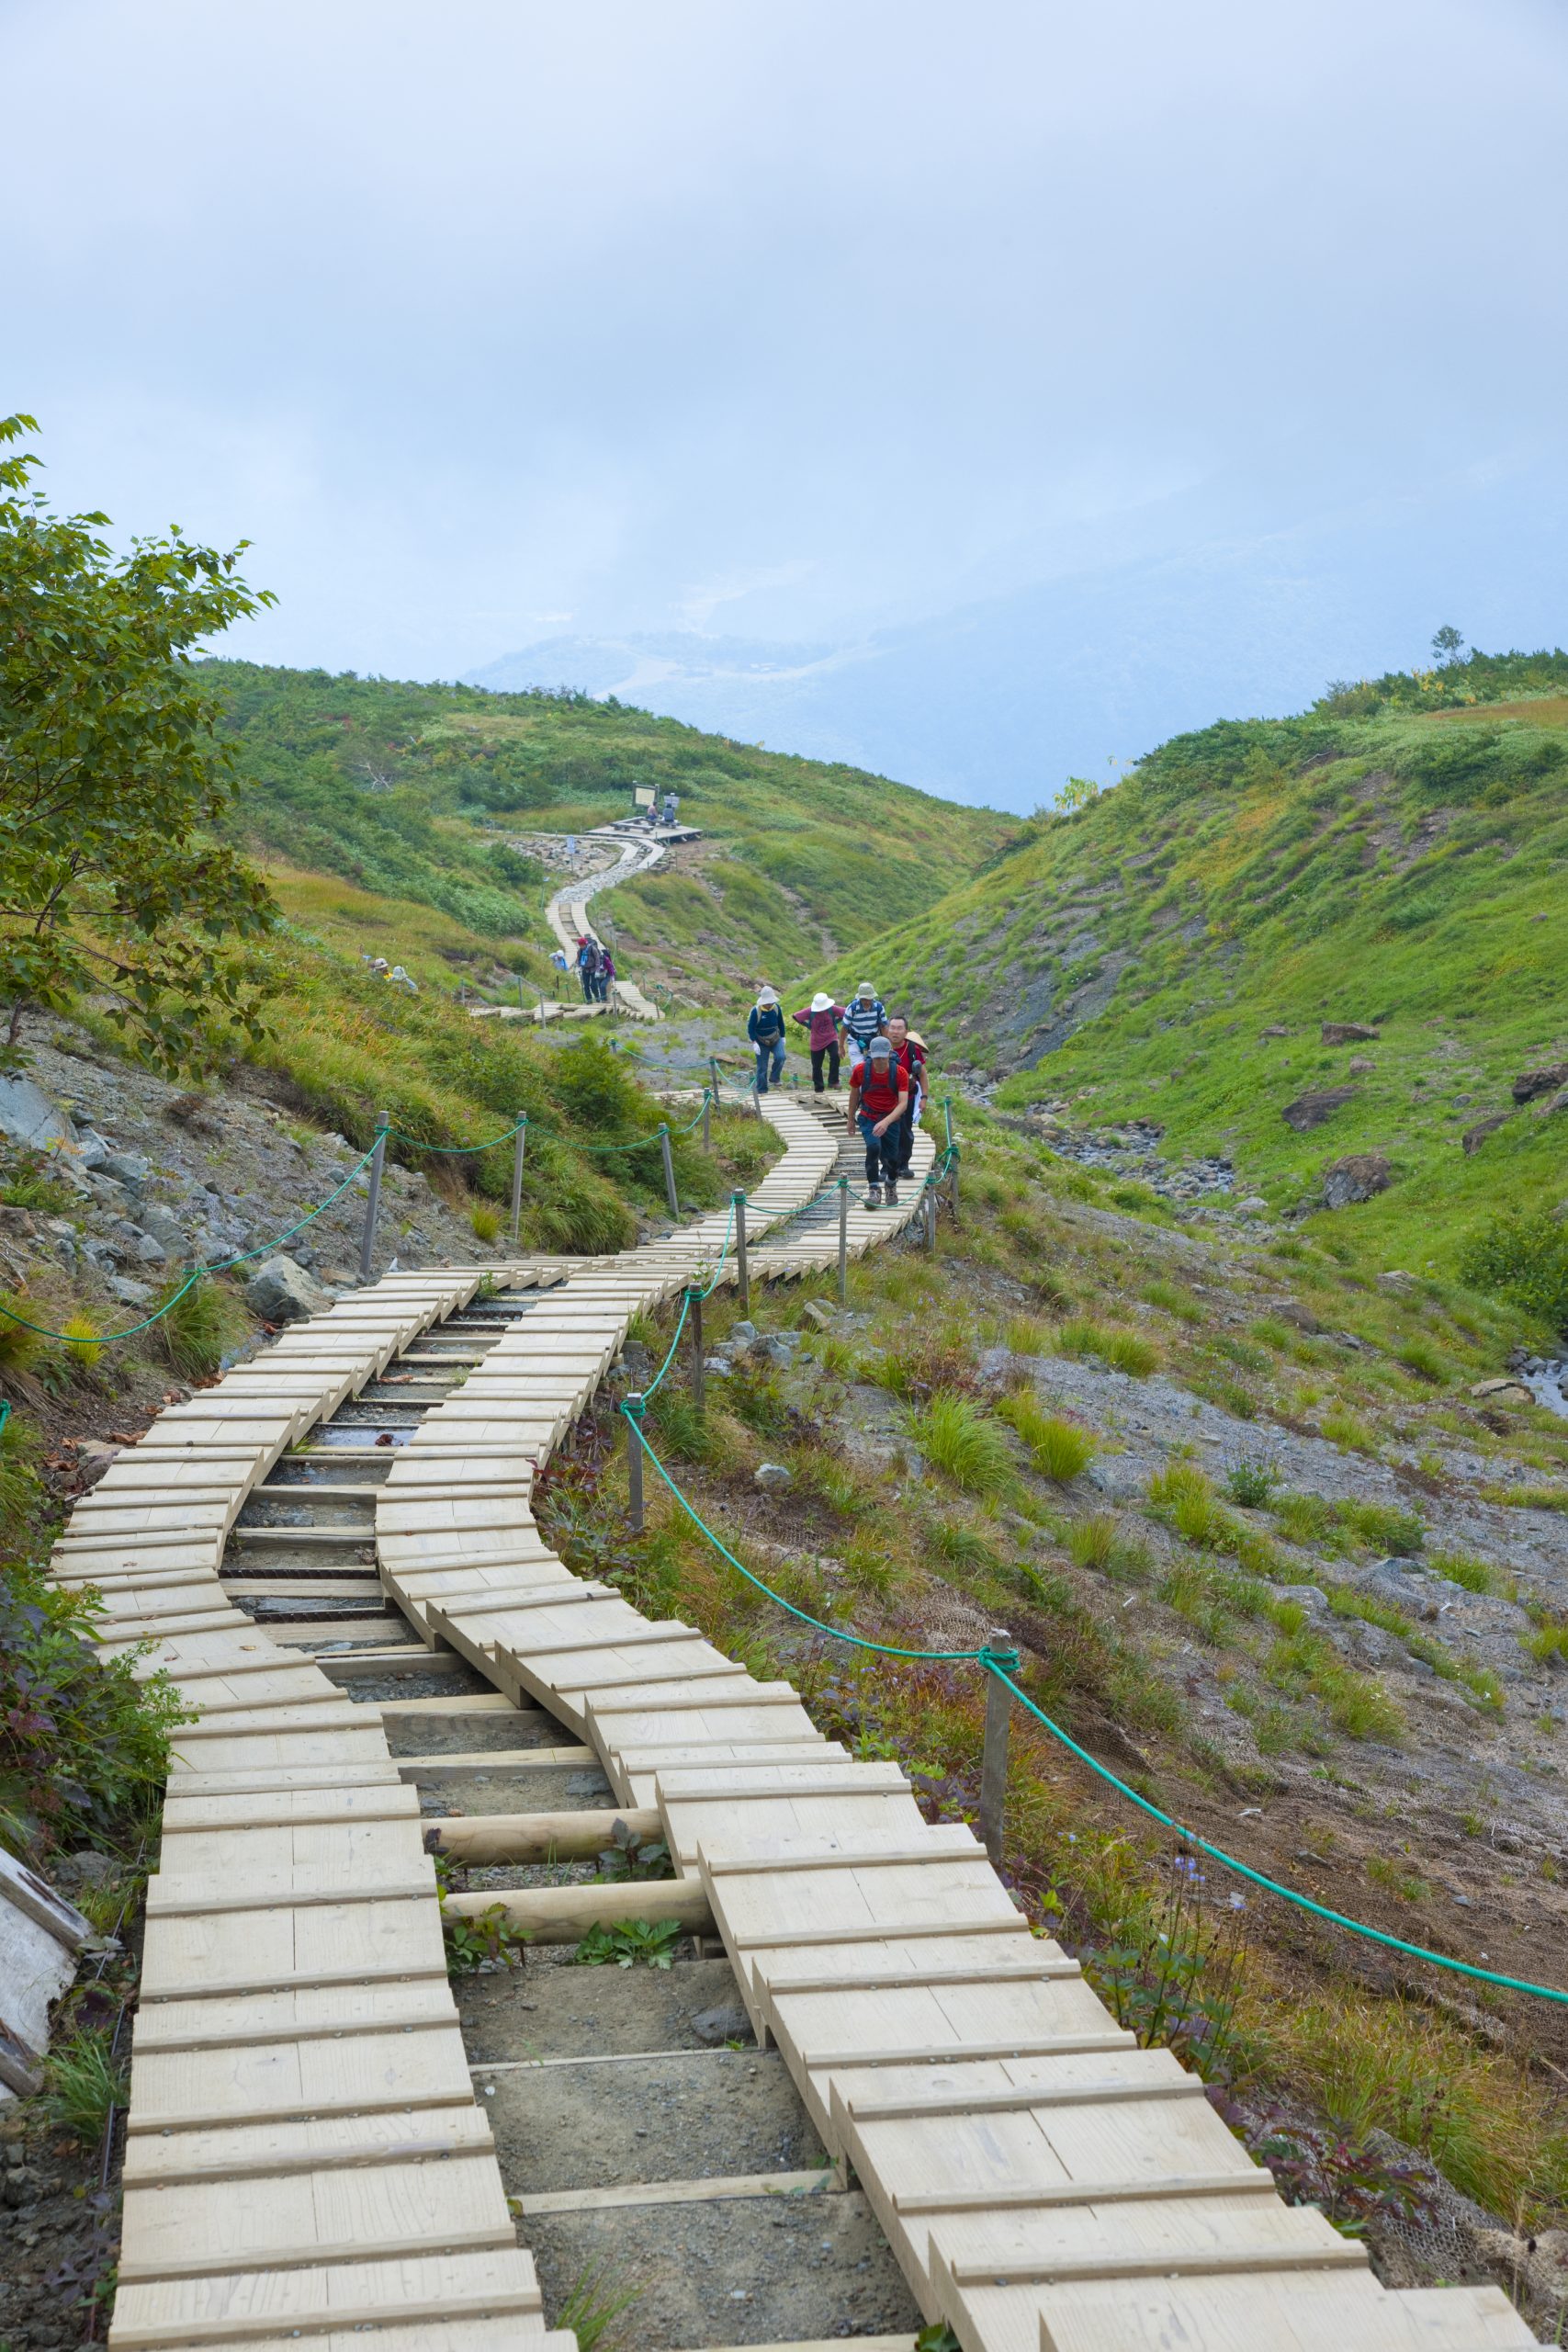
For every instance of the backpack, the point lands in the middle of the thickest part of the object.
(877, 1097)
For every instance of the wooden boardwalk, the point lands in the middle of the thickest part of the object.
(306, 2159)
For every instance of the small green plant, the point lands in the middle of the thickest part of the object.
(83, 1341)
(1547, 1643)
(21, 1351)
(963, 1547)
(1307, 1519)
(82, 2083)
(486, 1221)
(1129, 1351)
(1091, 1543)
(1521, 1256)
(1058, 1448)
(962, 1441)
(1528, 1498)
(1418, 1355)
(31, 1185)
(1347, 1430)
(593, 2302)
(646, 1943)
(487, 1939)
(679, 1427)
(1179, 1303)
(627, 1856)
(1251, 1483)
(1396, 1880)
(1398, 1533)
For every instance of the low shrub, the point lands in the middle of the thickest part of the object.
(1251, 1484)
(200, 1325)
(486, 1221)
(1400, 1532)
(1522, 1256)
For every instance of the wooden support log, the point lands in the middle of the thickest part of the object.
(563, 1914)
(536, 1836)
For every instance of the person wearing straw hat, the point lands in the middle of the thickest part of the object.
(820, 1019)
(766, 1027)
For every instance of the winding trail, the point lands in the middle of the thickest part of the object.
(307, 2159)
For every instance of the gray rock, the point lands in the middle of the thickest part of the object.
(92, 1150)
(772, 1478)
(720, 1366)
(127, 1168)
(815, 1312)
(1311, 1109)
(1348, 1032)
(30, 1118)
(128, 1240)
(1531, 1083)
(281, 1292)
(1355, 1178)
(1254, 1205)
(165, 1228)
(130, 1293)
(715, 2026)
(742, 1335)
(779, 1347)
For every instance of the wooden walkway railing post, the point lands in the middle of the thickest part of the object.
(843, 1242)
(373, 1198)
(742, 1270)
(695, 1325)
(999, 1649)
(634, 1461)
(520, 1146)
(669, 1169)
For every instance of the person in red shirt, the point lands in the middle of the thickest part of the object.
(820, 1020)
(879, 1095)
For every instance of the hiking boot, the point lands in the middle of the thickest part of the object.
(873, 1198)
(891, 1195)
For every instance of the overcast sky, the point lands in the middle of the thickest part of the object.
(494, 320)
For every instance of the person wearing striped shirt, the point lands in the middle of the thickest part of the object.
(863, 1020)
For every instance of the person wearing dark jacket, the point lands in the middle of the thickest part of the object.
(879, 1091)
(863, 1017)
(588, 965)
(766, 1027)
(820, 1019)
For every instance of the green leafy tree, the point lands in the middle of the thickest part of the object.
(111, 775)
(1448, 645)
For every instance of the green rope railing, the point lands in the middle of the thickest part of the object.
(467, 1150)
(689, 1294)
(998, 1663)
(216, 1266)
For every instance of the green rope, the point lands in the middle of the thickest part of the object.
(998, 1662)
(218, 1266)
(465, 1150)
(1302, 1902)
(857, 1641)
(653, 1384)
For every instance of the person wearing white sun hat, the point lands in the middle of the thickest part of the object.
(863, 1019)
(820, 1019)
(766, 1027)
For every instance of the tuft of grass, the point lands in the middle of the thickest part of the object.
(1400, 1532)
(1528, 1498)
(962, 1441)
(197, 1327)
(21, 1351)
(1307, 1519)
(486, 1221)
(1384, 1872)
(1427, 1362)
(1548, 1642)
(1027, 1335)
(1356, 1705)
(83, 1341)
(961, 1546)
(1347, 1430)
(594, 2301)
(1091, 1543)
(680, 1429)
(1251, 1484)
(82, 2084)
(1179, 1303)
(1129, 1351)
(1058, 1448)
(1463, 1568)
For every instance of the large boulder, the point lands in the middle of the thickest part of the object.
(1356, 1177)
(281, 1292)
(30, 1118)
(1530, 1083)
(1348, 1032)
(1320, 1103)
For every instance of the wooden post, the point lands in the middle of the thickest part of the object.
(998, 1647)
(695, 1325)
(634, 1462)
(742, 1269)
(707, 1106)
(519, 1146)
(930, 1205)
(843, 1242)
(669, 1169)
(373, 1199)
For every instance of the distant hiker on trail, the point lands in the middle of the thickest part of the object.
(910, 1055)
(671, 805)
(766, 1027)
(571, 845)
(559, 960)
(822, 1019)
(606, 975)
(587, 964)
(866, 1016)
(879, 1095)
(403, 980)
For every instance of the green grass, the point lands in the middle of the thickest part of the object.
(198, 1327)
(82, 2084)
(1059, 1449)
(1123, 1350)
(1463, 1568)
(963, 1442)
(486, 1221)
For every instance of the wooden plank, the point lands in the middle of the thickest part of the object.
(292, 2014)
(316, 2143)
(183, 2089)
(258, 1950)
(493, 1761)
(157, 2317)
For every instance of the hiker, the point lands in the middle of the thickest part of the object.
(403, 980)
(910, 1054)
(879, 1092)
(671, 805)
(864, 1017)
(820, 1020)
(587, 964)
(766, 1027)
(606, 976)
(559, 961)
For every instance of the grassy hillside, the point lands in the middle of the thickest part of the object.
(410, 791)
(1392, 857)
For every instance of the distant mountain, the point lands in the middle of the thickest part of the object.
(1003, 696)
